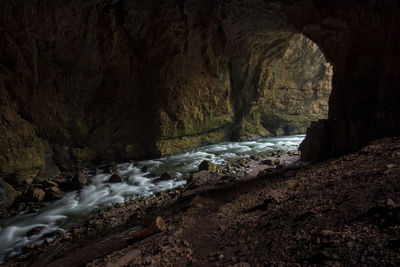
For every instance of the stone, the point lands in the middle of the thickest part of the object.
(36, 195)
(53, 193)
(79, 180)
(165, 177)
(206, 165)
(390, 166)
(115, 178)
(276, 162)
(35, 230)
(7, 195)
(144, 169)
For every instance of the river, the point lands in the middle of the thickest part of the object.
(139, 180)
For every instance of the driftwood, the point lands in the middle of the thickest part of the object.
(78, 255)
(134, 236)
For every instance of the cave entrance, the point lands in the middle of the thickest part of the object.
(293, 90)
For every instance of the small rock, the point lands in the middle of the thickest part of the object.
(7, 195)
(390, 166)
(53, 234)
(79, 180)
(276, 162)
(114, 179)
(206, 165)
(35, 231)
(144, 169)
(165, 177)
(392, 204)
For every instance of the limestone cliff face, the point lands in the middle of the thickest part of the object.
(84, 81)
(294, 91)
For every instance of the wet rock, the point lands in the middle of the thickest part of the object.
(79, 180)
(35, 231)
(36, 194)
(166, 176)
(276, 162)
(53, 234)
(108, 169)
(7, 195)
(144, 169)
(390, 166)
(206, 165)
(53, 193)
(114, 179)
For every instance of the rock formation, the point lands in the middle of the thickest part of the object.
(103, 80)
(293, 91)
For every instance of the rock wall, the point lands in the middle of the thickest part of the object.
(102, 80)
(294, 91)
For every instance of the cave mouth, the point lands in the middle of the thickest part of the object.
(294, 90)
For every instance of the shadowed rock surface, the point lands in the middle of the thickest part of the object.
(341, 212)
(102, 80)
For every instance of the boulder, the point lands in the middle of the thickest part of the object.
(206, 165)
(35, 230)
(36, 194)
(7, 195)
(115, 178)
(276, 162)
(79, 180)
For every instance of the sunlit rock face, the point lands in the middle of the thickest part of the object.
(293, 91)
(86, 81)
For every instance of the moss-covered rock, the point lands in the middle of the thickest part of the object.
(7, 195)
(22, 152)
(206, 165)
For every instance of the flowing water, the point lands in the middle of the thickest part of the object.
(139, 180)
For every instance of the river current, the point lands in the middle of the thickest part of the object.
(139, 180)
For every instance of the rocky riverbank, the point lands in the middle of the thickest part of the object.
(341, 211)
(208, 177)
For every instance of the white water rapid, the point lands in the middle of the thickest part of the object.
(139, 180)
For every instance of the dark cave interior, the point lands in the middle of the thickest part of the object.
(85, 83)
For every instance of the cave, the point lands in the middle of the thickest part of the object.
(96, 93)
